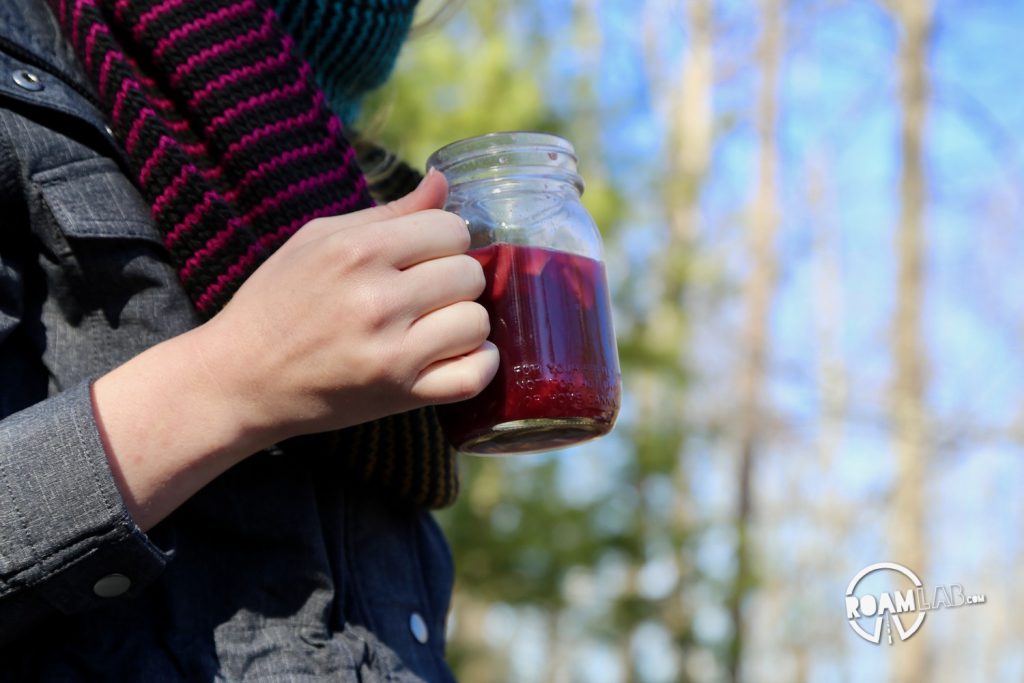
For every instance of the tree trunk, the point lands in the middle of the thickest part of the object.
(830, 510)
(692, 134)
(692, 138)
(664, 331)
(909, 383)
(759, 295)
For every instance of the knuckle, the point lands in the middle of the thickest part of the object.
(381, 362)
(366, 363)
(475, 276)
(482, 321)
(470, 382)
(355, 252)
(453, 223)
(464, 236)
(464, 275)
(393, 209)
(378, 305)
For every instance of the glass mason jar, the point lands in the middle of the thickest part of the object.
(558, 381)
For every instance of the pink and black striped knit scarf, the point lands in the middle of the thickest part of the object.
(233, 145)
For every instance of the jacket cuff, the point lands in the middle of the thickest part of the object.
(65, 533)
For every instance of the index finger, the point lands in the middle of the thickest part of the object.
(422, 236)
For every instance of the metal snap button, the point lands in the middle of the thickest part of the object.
(112, 585)
(419, 628)
(27, 80)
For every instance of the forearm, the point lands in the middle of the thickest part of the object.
(170, 425)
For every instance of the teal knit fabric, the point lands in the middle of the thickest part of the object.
(352, 45)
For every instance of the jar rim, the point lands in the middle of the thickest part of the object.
(543, 152)
(490, 143)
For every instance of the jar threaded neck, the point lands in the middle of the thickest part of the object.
(501, 156)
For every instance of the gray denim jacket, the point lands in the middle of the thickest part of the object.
(280, 570)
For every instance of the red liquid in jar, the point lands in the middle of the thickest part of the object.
(558, 380)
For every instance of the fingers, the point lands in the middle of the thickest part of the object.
(447, 332)
(401, 242)
(422, 236)
(457, 379)
(437, 283)
(431, 193)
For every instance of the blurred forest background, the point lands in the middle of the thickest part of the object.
(811, 212)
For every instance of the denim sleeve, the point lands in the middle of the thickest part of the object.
(66, 538)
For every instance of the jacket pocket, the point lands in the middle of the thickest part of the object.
(101, 246)
(92, 198)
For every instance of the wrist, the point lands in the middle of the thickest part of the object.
(170, 425)
(234, 385)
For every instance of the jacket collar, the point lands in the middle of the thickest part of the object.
(31, 41)
(29, 32)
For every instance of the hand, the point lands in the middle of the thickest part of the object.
(356, 317)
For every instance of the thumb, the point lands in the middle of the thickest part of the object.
(429, 194)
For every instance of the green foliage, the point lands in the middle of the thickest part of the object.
(451, 89)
